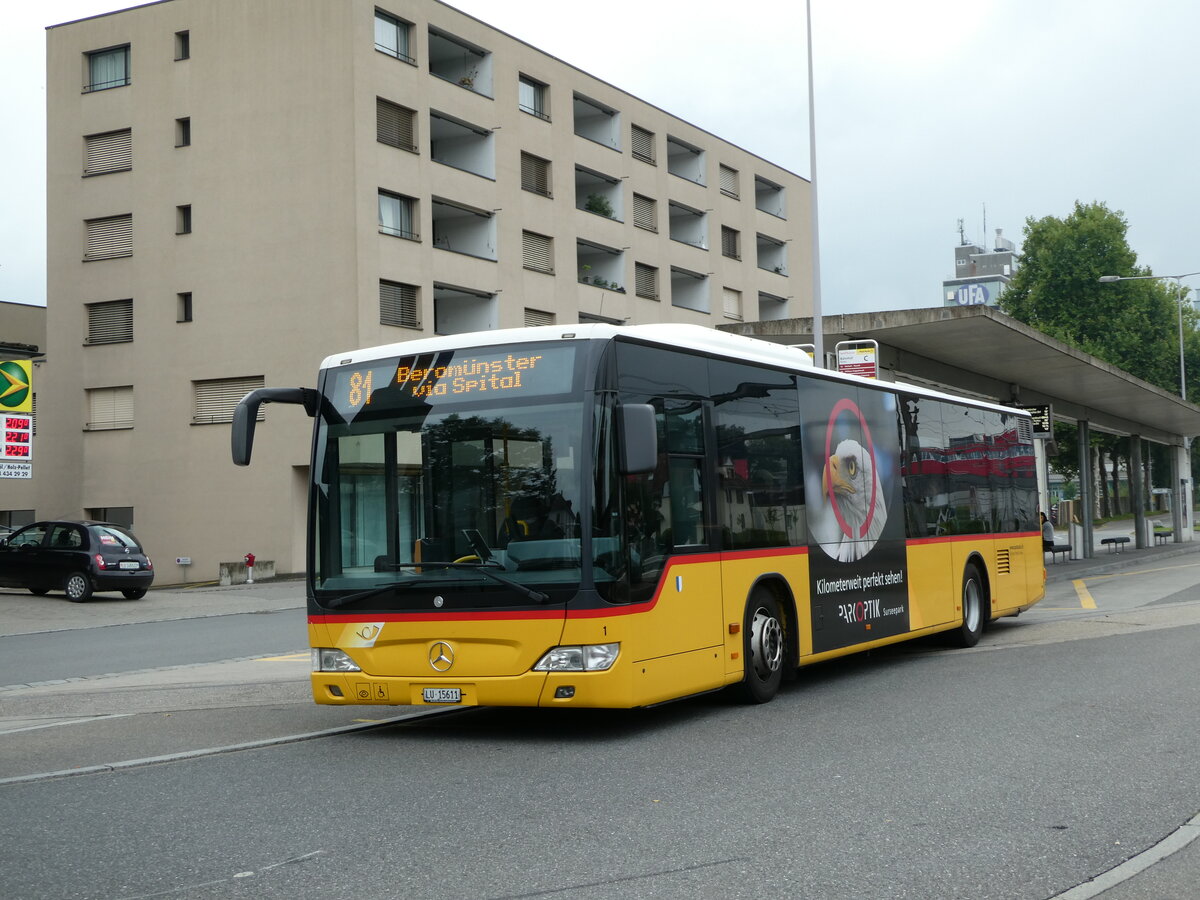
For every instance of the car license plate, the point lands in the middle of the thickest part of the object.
(442, 695)
(129, 564)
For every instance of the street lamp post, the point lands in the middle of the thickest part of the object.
(1179, 509)
(1178, 279)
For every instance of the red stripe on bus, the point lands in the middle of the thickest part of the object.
(522, 615)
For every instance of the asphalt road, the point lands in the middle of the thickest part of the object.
(1058, 749)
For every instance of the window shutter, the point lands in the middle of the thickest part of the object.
(398, 304)
(110, 408)
(645, 212)
(535, 174)
(535, 317)
(395, 125)
(643, 143)
(645, 281)
(538, 252)
(216, 398)
(107, 238)
(110, 323)
(729, 181)
(111, 152)
(729, 242)
(733, 304)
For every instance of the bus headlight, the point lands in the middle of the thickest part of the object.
(588, 658)
(330, 659)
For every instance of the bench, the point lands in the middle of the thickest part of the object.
(1055, 549)
(1161, 537)
(1115, 544)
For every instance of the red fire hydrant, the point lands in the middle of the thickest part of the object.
(249, 558)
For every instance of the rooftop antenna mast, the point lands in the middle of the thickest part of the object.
(985, 237)
(962, 233)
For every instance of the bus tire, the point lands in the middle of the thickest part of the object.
(974, 607)
(763, 647)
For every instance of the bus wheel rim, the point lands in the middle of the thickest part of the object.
(766, 643)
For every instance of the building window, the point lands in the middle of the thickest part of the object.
(537, 252)
(398, 304)
(110, 322)
(17, 518)
(597, 122)
(642, 142)
(397, 215)
(183, 132)
(685, 160)
(732, 304)
(463, 229)
(454, 60)
(536, 317)
(645, 281)
(689, 226)
(532, 97)
(598, 193)
(117, 515)
(391, 36)
(461, 145)
(216, 398)
(107, 69)
(535, 174)
(108, 152)
(769, 197)
(645, 212)
(108, 238)
(183, 45)
(183, 219)
(729, 181)
(731, 240)
(395, 125)
(772, 254)
(109, 408)
(183, 307)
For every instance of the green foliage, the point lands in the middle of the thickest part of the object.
(1057, 289)
(598, 204)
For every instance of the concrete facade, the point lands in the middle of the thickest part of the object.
(214, 221)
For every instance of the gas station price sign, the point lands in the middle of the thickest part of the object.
(16, 418)
(454, 376)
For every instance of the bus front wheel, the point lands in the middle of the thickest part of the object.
(974, 608)
(763, 647)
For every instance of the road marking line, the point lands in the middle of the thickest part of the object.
(1172, 843)
(1085, 596)
(291, 657)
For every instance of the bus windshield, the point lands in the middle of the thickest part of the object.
(422, 487)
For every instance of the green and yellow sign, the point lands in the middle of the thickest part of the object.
(16, 386)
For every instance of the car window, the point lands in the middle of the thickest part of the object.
(65, 537)
(31, 536)
(114, 537)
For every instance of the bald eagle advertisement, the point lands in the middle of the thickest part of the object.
(856, 523)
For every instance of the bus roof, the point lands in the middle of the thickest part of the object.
(675, 335)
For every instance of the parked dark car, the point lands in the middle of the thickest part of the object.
(76, 557)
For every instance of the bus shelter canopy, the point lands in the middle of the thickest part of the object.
(980, 351)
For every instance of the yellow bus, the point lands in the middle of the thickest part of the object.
(604, 516)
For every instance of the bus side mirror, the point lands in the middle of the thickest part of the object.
(245, 416)
(639, 438)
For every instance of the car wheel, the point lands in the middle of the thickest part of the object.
(763, 651)
(78, 587)
(134, 593)
(39, 590)
(973, 607)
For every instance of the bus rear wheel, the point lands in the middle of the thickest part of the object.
(763, 647)
(974, 608)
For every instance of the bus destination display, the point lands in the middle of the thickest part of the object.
(458, 376)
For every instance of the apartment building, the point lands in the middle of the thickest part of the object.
(239, 188)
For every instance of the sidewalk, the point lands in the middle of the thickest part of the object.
(1106, 559)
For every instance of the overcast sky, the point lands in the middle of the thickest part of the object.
(927, 112)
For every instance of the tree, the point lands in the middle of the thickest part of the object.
(1057, 289)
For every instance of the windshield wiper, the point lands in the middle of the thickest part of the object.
(482, 568)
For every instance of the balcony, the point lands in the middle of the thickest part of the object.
(601, 266)
(685, 160)
(459, 310)
(769, 197)
(689, 290)
(597, 122)
(461, 229)
(688, 226)
(598, 193)
(461, 63)
(455, 143)
(772, 254)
